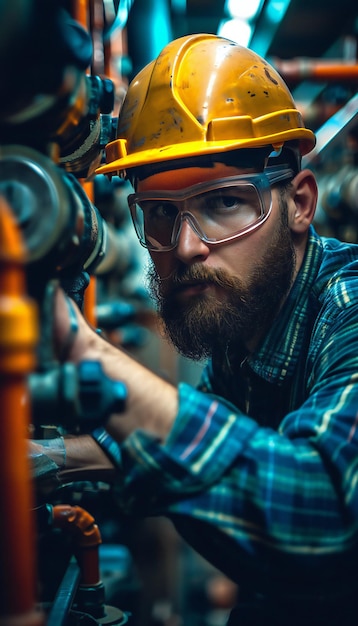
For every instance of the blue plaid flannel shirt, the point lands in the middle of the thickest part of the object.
(260, 470)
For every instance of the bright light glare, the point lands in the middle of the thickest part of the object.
(243, 9)
(236, 30)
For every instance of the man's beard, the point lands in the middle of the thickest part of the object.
(204, 323)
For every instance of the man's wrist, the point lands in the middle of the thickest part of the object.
(55, 449)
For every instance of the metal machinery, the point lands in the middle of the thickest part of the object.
(61, 92)
(55, 120)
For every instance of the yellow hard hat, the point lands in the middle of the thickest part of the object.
(203, 95)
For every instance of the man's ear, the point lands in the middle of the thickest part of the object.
(303, 201)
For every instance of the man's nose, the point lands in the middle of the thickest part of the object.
(190, 247)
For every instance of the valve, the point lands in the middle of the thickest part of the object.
(78, 397)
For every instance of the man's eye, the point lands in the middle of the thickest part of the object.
(160, 211)
(223, 202)
(231, 202)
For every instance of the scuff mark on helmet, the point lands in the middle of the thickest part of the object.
(140, 142)
(175, 116)
(271, 78)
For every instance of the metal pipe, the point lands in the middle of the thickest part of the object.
(65, 595)
(332, 131)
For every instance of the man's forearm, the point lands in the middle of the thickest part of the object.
(72, 458)
(152, 402)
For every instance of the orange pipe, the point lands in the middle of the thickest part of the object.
(80, 12)
(90, 297)
(18, 339)
(301, 69)
(82, 524)
(89, 303)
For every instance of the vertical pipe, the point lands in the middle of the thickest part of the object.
(90, 297)
(18, 338)
(79, 12)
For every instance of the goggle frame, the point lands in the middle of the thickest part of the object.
(262, 182)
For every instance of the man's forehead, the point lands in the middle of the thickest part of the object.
(188, 176)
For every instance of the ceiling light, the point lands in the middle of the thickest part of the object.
(243, 9)
(237, 30)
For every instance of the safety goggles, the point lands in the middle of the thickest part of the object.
(218, 211)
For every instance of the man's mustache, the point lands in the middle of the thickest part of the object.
(193, 275)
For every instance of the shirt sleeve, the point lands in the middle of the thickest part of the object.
(111, 447)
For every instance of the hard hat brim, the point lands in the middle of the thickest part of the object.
(124, 162)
